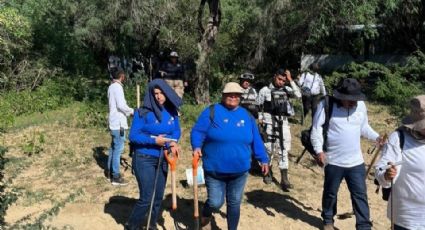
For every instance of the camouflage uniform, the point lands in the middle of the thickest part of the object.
(271, 124)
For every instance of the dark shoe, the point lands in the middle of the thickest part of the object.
(206, 223)
(268, 179)
(328, 227)
(107, 173)
(118, 181)
(284, 182)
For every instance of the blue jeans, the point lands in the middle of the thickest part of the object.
(145, 168)
(355, 178)
(117, 147)
(229, 185)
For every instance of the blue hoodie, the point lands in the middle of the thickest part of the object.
(228, 143)
(154, 119)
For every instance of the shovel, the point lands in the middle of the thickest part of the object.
(172, 158)
(195, 161)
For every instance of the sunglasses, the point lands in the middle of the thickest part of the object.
(247, 76)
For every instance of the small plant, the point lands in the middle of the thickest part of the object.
(33, 146)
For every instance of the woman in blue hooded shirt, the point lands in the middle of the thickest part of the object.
(152, 124)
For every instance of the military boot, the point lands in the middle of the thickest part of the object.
(268, 179)
(284, 181)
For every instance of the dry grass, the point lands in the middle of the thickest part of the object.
(72, 160)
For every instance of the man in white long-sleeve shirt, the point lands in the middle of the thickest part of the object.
(118, 113)
(408, 190)
(342, 156)
(312, 89)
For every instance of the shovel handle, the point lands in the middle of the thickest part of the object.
(195, 161)
(173, 190)
(171, 158)
(172, 161)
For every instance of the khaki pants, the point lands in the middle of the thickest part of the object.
(177, 85)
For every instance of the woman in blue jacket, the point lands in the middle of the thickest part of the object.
(226, 141)
(158, 117)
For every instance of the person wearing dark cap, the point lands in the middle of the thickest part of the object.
(173, 73)
(405, 152)
(249, 94)
(117, 118)
(275, 109)
(155, 126)
(343, 158)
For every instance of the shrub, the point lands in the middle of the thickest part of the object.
(392, 85)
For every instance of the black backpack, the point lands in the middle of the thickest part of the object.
(387, 191)
(305, 134)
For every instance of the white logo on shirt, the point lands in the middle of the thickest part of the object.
(241, 123)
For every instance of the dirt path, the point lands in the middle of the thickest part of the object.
(63, 186)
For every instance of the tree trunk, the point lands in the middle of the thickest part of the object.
(205, 45)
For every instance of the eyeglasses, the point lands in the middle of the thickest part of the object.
(247, 76)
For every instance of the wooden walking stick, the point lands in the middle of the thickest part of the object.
(138, 95)
(195, 161)
(160, 158)
(385, 137)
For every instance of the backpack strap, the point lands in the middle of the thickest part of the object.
(329, 104)
(401, 138)
(212, 112)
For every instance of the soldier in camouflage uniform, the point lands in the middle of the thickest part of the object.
(249, 94)
(273, 116)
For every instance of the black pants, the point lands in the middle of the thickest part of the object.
(397, 227)
(310, 103)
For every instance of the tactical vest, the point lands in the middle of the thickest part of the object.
(279, 104)
(250, 104)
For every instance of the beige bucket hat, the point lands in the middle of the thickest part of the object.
(232, 87)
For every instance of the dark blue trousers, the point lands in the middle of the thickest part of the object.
(355, 178)
(145, 168)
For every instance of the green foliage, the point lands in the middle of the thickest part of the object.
(33, 145)
(15, 34)
(190, 114)
(6, 198)
(93, 114)
(391, 85)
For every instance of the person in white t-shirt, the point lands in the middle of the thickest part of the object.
(118, 113)
(406, 147)
(341, 155)
(312, 89)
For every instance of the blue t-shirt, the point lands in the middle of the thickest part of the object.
(228, 142)
(143, 127)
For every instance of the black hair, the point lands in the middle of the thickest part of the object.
(280, 71)
(118, 73)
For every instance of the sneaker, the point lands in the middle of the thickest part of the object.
(118, 181)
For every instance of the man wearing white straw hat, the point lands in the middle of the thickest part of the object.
(406, 149)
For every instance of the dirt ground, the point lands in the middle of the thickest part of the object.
(63, 186)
